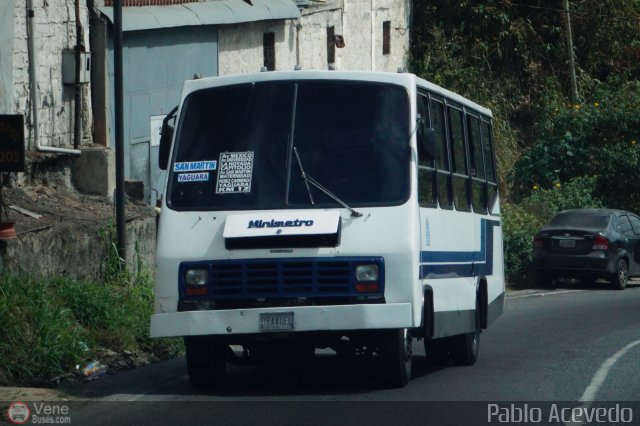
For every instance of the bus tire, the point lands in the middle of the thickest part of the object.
(206, 361)
(466, 347)
(396, 354)
(437, 351)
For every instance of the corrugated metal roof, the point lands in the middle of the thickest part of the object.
(207, 13)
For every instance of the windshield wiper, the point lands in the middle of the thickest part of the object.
(309, 180)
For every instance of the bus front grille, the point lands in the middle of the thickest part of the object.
(269, 279)
(256, 279)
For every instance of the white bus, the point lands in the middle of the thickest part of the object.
(322, 209)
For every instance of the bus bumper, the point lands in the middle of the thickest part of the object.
(306, 318)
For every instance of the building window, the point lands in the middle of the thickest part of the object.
(269, 51)
(331, 45)
(386, 37)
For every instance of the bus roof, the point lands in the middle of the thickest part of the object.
(453, 96)
(410, 81)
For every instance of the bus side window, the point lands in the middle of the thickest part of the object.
(459, 157)
(426, 166)
(489, 161)
(478, 177)
(442, 162)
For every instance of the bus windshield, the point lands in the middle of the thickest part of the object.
(234, 146)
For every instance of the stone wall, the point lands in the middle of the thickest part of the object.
(76, 247)
(73, 253)
(54, 31)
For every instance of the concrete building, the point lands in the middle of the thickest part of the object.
(165, 42)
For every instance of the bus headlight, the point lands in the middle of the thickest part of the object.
(196, 276)
(366, 273)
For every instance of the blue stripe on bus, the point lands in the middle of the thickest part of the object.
(455, 264)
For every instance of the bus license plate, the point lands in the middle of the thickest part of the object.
(276, 321)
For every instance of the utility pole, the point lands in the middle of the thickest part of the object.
(572, 66)
(77, 132)
(119, 127)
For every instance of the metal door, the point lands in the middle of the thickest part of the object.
(155, 65)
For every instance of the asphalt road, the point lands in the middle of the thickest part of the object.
(571, 345)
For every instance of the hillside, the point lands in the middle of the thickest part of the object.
(553, 153)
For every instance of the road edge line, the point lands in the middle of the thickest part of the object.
(547, 293)
(598, 379)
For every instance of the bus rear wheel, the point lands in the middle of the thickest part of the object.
(396, 355)
(206, 361)
(466, 347)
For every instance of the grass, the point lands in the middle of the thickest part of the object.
(51, 324)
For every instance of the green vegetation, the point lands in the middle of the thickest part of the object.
(595, 139)
(552, 154)
(522, 220)
(51, 324)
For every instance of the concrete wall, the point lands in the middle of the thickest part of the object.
(240, 46)
(54, 30)
(6, 56)
(313, 38)
(78, 252)
(241, 50)
(359, 33)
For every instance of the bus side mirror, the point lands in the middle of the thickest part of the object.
(166, 135)
(427, 148)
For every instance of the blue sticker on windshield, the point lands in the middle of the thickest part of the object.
(193, 177)
(195, 166)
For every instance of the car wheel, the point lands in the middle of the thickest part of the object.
(206, 361)
(396, 355)
(622, 275)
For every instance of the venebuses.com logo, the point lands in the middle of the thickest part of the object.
(18, 413)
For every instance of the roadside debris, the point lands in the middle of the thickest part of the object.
(93, 371)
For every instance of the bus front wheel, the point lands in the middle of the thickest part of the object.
(396, 353)
(206, 361)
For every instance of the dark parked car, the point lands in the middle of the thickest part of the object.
(588, 244)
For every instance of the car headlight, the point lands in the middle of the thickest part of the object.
(366, 273)
(198, 276)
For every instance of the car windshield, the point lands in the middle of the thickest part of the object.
(580, 220)
(235, 146)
